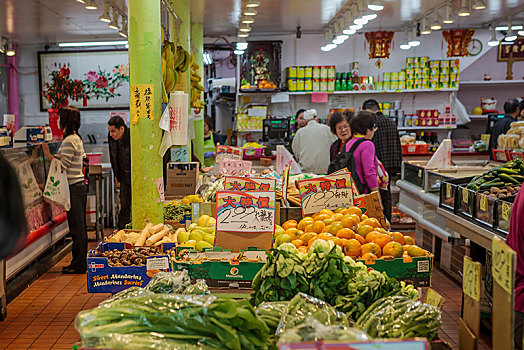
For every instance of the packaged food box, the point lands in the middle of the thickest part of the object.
(414, 270)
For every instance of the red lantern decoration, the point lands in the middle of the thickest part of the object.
(379, 43)
(458, 41)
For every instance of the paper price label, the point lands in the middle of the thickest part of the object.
(263, 184)
(483, 203)
(503, 266)
(161, 263)
(505, 211)
(228, 152)
(420, 173)
(448, 191)
(234, 167)
(433, 298)
(246, 211)
(471, 279)
(465, 195)
(329, 192)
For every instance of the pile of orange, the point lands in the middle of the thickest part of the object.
(358, 235)
(264, 84)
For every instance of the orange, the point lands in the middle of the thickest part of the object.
(328, 221)
(339, 210)
(327, 211)
(352, 247)
(297, 242)
(318, 226)
(313, 239)
(356, 217)
(326, 229)
(408, 240)
(349, 222)
(292, 232)
(309, 228)
(315, 216)
(398, 237)
(302, 249)
(361, 239)
(382, 239)
(364, 217)
(354, 210)
(289, 224)
(304, 222)
(338, 217)
(369, 258)
(340, 242)
(306, 237)
(371, 222)
(335, 227)
(393, 249)
(371, 248)
(371, 236)
(345, 233)
(406, 247)
(381, 230)
(364, 230)
(321, 217)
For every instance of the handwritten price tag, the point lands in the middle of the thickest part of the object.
(505, 211)
(433, 298)
(246, 211)
(503, 267)
(471, 279)
(233, 183)
(329, 192)
(420, 173)
(234, 167)
(228, 152)
(448, 191)
(483, 203)
(465, 195)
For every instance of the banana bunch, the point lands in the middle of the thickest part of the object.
(175, 60)
(196, 87)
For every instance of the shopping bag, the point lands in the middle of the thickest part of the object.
(56, 187)
(30, 190)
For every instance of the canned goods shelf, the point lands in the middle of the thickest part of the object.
(491, 82)
(417, 128)
(414, 91)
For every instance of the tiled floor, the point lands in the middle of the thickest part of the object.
(42, 317)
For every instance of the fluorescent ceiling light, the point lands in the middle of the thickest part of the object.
(331, 46)
(464, 9)
(123, 31)
(253, 3)
(361, 21)
(91, 5)
(243, 34)
(375, 5)
(244, 28)
(506, 28)
(370, 17)
(479, 5)
(247, 20)
(349, 31)
(356, 27)
(250, 12)
(448, 19)
(493, 41)
(114, 23)
(94, 43)
(207, 58)
(238, 52)
(241, 44)
(405, 46)
(81, 1)
(436, 23)
(343, 37)
(105, 16)
(511, 37)
(325, 49)
(338, 41)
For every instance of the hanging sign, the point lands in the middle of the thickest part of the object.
(514, 50)
(379, 43)
(329, 192)
(179, 154)
(246, 211)
(234, 167)
(233, 183)
(458, 41)
(227, 152)
(471, 279)
(503, 267)
(142, 102)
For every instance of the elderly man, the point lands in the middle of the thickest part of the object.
(311, 145)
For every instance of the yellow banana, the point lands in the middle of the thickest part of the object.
(164, 94)
(163, 69)
(185, 66)
(162, 34)
(179, 58)
(199, 87)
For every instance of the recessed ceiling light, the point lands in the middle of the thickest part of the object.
(253, 3)
(448, 19)
(250, 12)
(105, 16)
(464, 9)
(91, 5)
(436, 23)
(375, 5)
(479, 5)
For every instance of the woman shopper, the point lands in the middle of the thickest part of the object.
(300, 122)
(71, 155)
(339, 125)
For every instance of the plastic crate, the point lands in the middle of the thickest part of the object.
(415, 149)
(517, 155)
(501, 156)
(252, 153)
(94, 158)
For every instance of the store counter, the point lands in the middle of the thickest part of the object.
(456, 156)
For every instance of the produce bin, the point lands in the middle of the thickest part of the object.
(503, 214)
(413, 172)
(417, 271)
(450, 192)
(466, 202)
(484, 209)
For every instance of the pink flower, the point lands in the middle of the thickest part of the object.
(92, 76)
(101, 82)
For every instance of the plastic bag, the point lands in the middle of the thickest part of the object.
(146, 341)
(128, 293)
(271, 312)
(30, 190)
(312, 330)
(56, 187)
(200, 287)
(169, 282)
(303, 306)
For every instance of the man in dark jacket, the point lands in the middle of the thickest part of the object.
(120, 154)
(511, 113)
(388, 149)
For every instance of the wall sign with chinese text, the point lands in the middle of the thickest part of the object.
(246, 211)
(263, 184)
(514, 49)
(329, 192)
(234, 167)
(228, 152)
(142, 102)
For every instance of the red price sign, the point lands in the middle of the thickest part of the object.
(251, 184)
(329, 192)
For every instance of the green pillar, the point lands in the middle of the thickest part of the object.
(197, 44)
(144, 68)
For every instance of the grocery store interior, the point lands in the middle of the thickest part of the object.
(167, 183)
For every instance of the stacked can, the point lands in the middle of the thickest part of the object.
(292, 78)
(386, 81)
(454, 68)
(434, 74)
(308, 78)
(410, 73)
(402, 80)
(445, 74)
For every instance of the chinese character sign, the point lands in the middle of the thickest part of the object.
(263, 184)
(228, 152)
(458, 41)
(142, 102)
(514, 49)
(234, 167)
(329, 192)
(246, 212)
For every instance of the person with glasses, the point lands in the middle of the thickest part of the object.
(339, 125)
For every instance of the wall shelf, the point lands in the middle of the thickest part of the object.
(291, 93)
(491, 82)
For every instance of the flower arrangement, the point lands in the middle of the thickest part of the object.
(62, 88)
(101, 84)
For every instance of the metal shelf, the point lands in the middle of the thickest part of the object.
(348, 92)
(417, 128)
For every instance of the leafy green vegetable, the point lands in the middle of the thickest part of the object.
(313, 331)
(176, 212)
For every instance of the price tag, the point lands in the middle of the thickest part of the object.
(233, 183)
(483, 203)
(246, 211)
(420, 173)
(228, 152)
(160, 188)
(433, 298)
(448, 190)
(471, 279)
(329, 192)
(465, 195)
(234, 167)
(505, 212)
(285, 183)
(503, 266)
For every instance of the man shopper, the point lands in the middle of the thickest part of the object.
(120, 155)
(311, 145)
(387, 148)
(511, 114)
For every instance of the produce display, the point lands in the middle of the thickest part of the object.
(151, 235)
(513, 139)
(504, 180)
(199, 235)
(358, 235)
(129, 257)
(209, 194)
(175, 210)
(175, 60)
(196, 87)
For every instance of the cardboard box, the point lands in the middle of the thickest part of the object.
(181, 178)
(418, 271)
(223, 270)
(103, 278)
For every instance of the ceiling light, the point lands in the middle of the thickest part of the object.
(81, 1)
(425, 30)
(253, 3)
(331, 46)
(250, 12)
(506, 28)
(464, 9)
(436, 23)
(243, 34)
(238, 52)
(123, 31)
(405, 45)
(94, 43)
(448, 19)
(247, 20)
(244, 28)
(493, 41)
(375, 5)
(370, 17)
(479, 5)
(91, 5)
(356, 27)
(114, 23)
(349, 31)
(241, 44)
(207, 59)
(325, 49)
(338, 41)
(414, 41)
(511, 36)
(10, 49)
(361, 21)
(105, 16)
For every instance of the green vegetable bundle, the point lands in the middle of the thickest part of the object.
(176, 212)
(507, 174)
(313, 331)
(220, 323)
(400, 317)
(271, 312)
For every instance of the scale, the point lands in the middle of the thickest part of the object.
(275, 132)
(34, 134)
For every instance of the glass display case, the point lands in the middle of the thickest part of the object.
(413, 172)
(503, 214)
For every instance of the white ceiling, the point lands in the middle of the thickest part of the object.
(52, 21)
